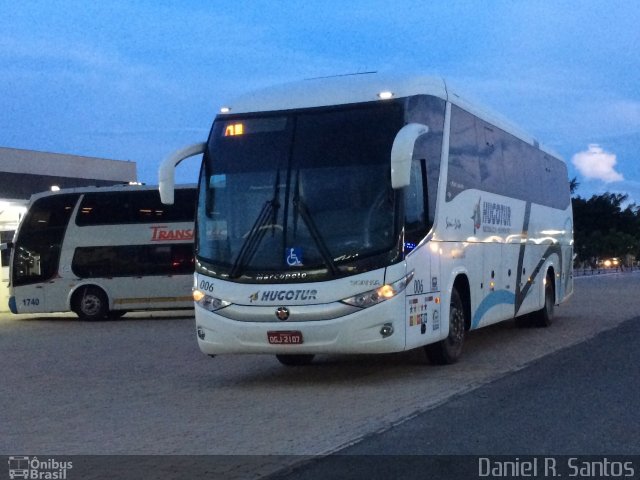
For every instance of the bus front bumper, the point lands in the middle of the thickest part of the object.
(365, 331)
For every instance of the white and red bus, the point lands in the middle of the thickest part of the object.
(103, 251)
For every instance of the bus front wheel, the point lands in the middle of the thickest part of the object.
(91, 303)
(448, 351)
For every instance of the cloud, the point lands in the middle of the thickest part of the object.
(598, 164)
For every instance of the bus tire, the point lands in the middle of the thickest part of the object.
(448, 351)
(295, 360)
(90, 303)
(544, 316)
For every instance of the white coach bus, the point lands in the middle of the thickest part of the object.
(371, 214)
(103, 251)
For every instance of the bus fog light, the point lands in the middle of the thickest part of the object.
(386, 330)
(200, 332)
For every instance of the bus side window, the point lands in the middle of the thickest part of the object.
(429, 111)
(490, 159)
(522, 179)
(415, 203)
(464, 167)
(555, 183)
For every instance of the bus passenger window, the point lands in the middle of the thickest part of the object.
(464, 167)
(414, 203)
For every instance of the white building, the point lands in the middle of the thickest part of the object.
(25, 172)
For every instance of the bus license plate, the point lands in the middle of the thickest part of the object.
(290, 337)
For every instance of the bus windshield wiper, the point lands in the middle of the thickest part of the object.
(267, 217)
(301, 209)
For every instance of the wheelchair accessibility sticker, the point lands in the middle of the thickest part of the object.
(293, 257)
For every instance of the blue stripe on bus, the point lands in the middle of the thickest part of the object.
(495, 298)
(13, 307)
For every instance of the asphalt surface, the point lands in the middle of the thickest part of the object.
(582, 402)
(140, 387)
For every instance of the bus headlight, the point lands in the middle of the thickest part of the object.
(385, 292)
(208, 302)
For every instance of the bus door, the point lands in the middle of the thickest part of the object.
(5, 255)
(32, 271)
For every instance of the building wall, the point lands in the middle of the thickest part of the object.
(22, 185)
(25, 172)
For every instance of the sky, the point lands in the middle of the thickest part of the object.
(137, 80)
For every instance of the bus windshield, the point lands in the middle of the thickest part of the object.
(308, 190)
(39, 240)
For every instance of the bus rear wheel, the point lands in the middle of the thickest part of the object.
(295, 360)
(448, 351)
(544, 316)
(91, 303)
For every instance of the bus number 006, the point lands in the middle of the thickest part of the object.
(206, 286)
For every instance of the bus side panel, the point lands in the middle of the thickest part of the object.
(461, 262)
(124, 290)
(535, 254)
(505, 247)
(29, 299)
(565, 283)
(495, 292)
(475, 228)
(44, 297)
(548, 246)
(125, 293)
(567, 273)
(423, 322)
(528, 278)
(170, 291)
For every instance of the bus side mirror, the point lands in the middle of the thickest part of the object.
(166, 172)
(402, 153)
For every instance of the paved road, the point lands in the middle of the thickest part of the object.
(583, 400)
(140, 385)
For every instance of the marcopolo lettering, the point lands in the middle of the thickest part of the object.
(162, 233)
(496, 214)
(273, 295)
(281, 276)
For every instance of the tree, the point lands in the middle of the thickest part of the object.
(604, 227)
(573, 185)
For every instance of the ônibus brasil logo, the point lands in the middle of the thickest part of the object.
(34, 468)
